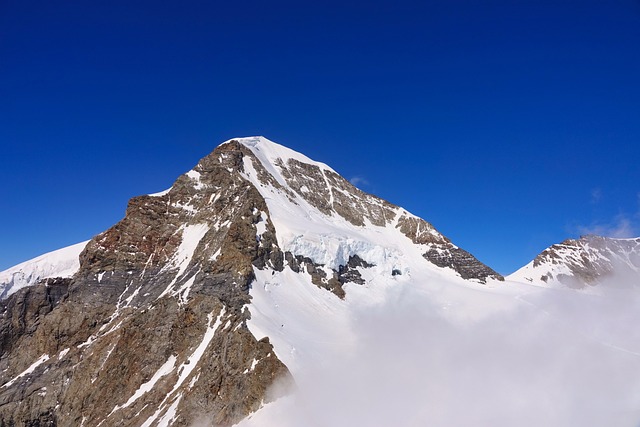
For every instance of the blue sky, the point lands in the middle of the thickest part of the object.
(509, 125)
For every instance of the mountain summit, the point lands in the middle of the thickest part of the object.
(169, 316)
(588, 261)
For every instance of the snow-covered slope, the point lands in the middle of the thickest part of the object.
(588, 261)
(59, 263)
(415, 344)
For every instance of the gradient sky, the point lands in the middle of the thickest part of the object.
(509, 125)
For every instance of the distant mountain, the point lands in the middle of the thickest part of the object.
(588, 261)
(179, 311)
(61, 263)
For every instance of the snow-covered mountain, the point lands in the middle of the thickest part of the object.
(60, 263)
(588, 261)
(195, 263)
(264, 289)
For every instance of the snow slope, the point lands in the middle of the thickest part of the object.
(60, 263)
(326, 239)
(426, 347)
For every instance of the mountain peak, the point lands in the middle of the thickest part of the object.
(251, 140)
(587, 261)
(196, 264)
(270, 152)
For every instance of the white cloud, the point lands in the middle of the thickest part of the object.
(560, 359)
(358, 181)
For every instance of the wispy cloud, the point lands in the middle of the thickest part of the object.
(621, 227)
(358, 181)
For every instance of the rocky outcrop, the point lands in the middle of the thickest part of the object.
(441, 252)
(327, 278)
(462, 262)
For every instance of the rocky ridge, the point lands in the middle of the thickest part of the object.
(152, 327)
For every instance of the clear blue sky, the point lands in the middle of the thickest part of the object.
(509, 125)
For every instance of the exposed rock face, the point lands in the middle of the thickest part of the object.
(152, 328)
(587, 261)
(443, 253)
(461, 261)
(153, 325)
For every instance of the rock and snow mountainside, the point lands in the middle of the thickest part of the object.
(62, 263)
(321, 216)
(199, 305)
(263, 289)
(588, 261)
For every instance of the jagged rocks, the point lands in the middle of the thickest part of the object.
(329, 279)
(349, 274)
(318, 273)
